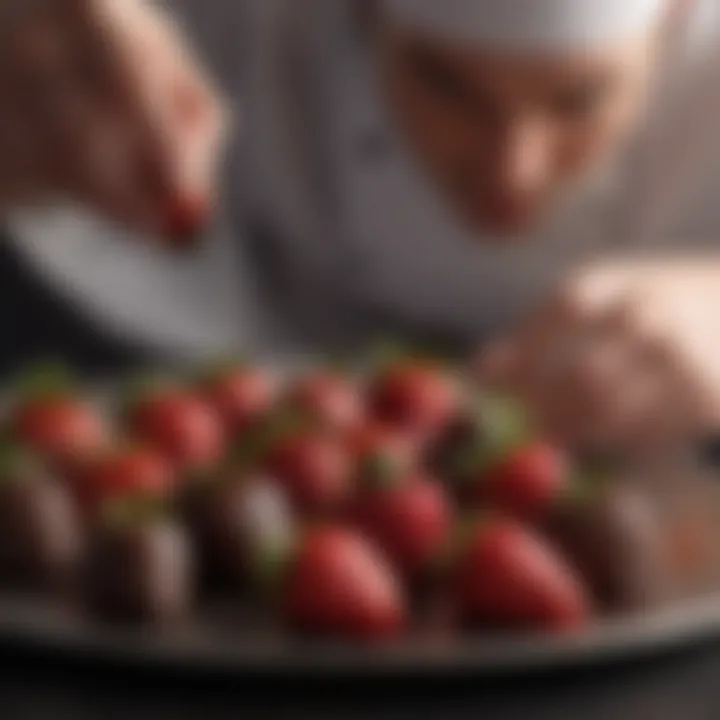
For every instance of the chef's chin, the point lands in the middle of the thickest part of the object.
(500, 221)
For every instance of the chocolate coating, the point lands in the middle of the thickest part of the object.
(614, 540)
(142, 573)
(41, 535)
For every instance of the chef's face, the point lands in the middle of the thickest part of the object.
(507, 137)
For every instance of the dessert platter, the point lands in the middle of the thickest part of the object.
(328, 520)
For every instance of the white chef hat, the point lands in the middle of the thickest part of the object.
(530, 24)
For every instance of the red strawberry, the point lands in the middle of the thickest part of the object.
(186, 218)
(240, 395)
(327, 398)
(315, 470)
(413, 396)
(508, 577)
(123, 474)
(338, 585)
(409, 520)
(61, 429)
(51, 418)
(527, 482)
(180, 425)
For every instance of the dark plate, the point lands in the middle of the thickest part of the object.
(230, 639)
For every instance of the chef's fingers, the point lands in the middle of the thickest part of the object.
(146, 59)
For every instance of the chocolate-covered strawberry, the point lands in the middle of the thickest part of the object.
(141, 565)
(505, 576)
(141, 571)
(241, 394)
(414, 396)
(611, 534)
(230, 517)
(41, 533)
(50, 417)
(327, 399)
(178, 423)
(333, 583)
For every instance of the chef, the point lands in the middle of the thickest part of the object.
(541, 176)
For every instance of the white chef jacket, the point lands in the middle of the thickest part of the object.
(331, 232)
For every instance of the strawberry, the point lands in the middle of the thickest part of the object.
(230, 518)
(51, 419)
(328, 399)
(477, 437)
(414, 396)
(491, 456)
(615, 536)
(241, 395)
(131, 475)
(41, 538)
(179, 424)
(526, 483)
(186, 218)
(336, 584)
(141, 570)
(410, 520)
(315, 470)
(141, 566)
(506, 576)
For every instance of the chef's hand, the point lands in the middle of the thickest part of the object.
(102, 103)
(625, 356)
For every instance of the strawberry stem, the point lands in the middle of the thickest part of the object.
(259, 440)
(219, 368)
(379, 471)
(46, 380)
(505, 427)
(463, 532)
(17, 464)
(133, 510)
